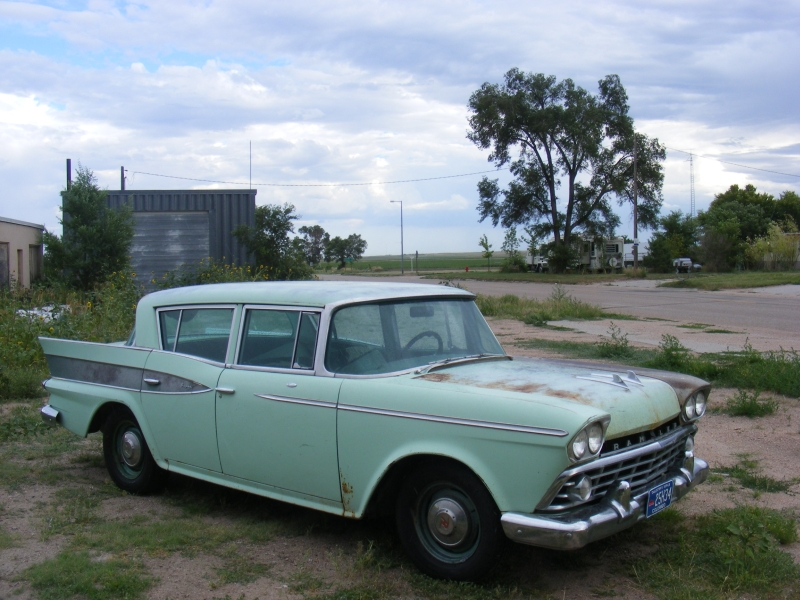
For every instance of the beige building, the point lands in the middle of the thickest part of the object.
(20, 252)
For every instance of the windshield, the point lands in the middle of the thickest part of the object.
(386, 337)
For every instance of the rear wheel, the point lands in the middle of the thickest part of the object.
(127, 456)
(448, 522)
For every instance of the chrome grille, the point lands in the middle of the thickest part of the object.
(641, 470)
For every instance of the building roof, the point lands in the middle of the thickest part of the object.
(23, 223)
(297, 293)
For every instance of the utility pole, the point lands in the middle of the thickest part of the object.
(69, 173)
(635, 210)
(251, 165)
(122, 178)
(691, 186)
(402, 251)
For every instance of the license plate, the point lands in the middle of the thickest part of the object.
(659, 498)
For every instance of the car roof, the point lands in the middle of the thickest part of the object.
(298, 293)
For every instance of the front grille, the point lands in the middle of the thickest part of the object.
(642, 472)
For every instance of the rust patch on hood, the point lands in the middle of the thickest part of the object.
(438, 377)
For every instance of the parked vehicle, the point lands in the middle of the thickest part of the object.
(393, 400)
(685, 265)
(537, 263)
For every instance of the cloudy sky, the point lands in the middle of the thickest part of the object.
(365, 92)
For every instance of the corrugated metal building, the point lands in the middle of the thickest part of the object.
(177, 227)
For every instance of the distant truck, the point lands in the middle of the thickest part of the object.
(685, 265)
(537, 263)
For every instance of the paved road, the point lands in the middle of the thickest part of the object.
(772, 309)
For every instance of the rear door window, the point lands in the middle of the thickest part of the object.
(200, 332)
(280, 339)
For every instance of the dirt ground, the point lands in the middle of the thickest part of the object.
(332, 552)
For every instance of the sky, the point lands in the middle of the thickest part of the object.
(372, 92)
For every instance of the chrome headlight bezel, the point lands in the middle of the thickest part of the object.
(584, 445)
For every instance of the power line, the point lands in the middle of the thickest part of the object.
(317, 184)
(732, 163)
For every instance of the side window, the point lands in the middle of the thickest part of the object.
(201, 332)
(357, 339)
(169, 328)
(269, 337)
(306, 341)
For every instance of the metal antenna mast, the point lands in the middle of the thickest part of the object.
(691, 185)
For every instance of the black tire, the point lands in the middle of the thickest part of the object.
(450, 495)
(127, 455)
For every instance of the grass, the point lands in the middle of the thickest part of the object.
(560, 305)
(78, 574)
(748, 404)
(746, 473)
(562, 278)
(239, 567)
(742, 279)
(728, 553)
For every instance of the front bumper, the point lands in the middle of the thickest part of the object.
(617, 511)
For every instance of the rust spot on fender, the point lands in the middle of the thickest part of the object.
(347, 496)
(347, 489)
(438, 377)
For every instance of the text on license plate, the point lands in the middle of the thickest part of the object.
(659, 498)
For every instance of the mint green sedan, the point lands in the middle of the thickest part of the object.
(381, 399)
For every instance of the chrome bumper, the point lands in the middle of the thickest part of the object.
(49, 415)
(576, 528)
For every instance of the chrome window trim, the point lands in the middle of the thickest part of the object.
(304, 401)
(182, 307)
(454, 421)
(282, 307)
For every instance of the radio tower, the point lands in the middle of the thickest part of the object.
(691, 184)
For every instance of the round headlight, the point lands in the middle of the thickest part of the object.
(595, 438)
(688, 408)
(579, 445)
(700, 404)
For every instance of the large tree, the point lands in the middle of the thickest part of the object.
(314, 240)
(275, 250)
(96, 240)
(574, 157)
(344, 250)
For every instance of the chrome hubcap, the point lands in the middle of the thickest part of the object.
(131, 449)
(448, 522)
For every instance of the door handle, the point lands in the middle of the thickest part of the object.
(151, 381)
(225, 390)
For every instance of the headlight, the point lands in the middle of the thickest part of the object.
(588, 441)
(695, 406)
(579, 444)
(595, 438)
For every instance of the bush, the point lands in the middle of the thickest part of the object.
(748, 404)
(210, 271)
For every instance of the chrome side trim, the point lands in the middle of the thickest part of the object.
(296, 400)
(455, 421)
(105, 385)
(49, 415)
(171, 384)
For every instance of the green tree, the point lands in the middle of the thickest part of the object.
(276, 252)
(676, 237)
(314, 239)
(514, 261)
(565, 139)
(487, 250)
(787, 207)
(96, 240)
(341, 249)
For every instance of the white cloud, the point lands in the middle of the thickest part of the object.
(374, 92)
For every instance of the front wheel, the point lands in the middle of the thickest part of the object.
(448, 522)
(127, 456)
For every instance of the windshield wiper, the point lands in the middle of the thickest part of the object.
(455, 359)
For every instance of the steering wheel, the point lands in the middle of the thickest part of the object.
(419, 336)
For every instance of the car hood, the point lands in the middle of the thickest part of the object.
(637, 399)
